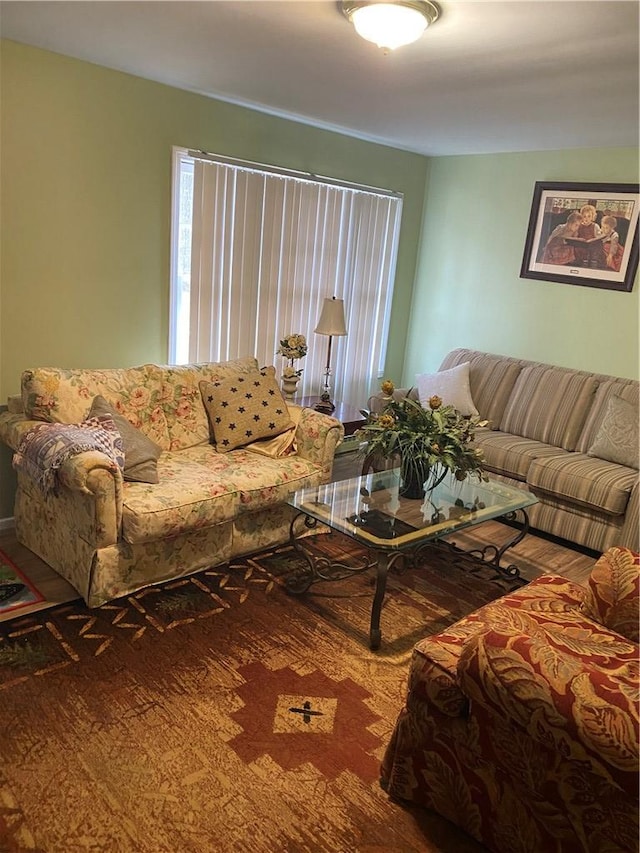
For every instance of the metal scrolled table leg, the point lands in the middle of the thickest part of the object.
(492, 554)
(385, 560)
(301, 581)
(318, 568)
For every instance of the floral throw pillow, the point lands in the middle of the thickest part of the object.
(244, 409)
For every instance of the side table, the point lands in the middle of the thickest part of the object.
(350, 417)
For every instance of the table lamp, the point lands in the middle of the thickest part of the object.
(331, 323)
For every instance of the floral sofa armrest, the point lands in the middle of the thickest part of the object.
(577, 696)
(91, 476)
(613, 593)
(13, 426)
(317, 437)
(433, 677)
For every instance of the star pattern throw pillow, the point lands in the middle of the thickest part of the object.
(244, 408)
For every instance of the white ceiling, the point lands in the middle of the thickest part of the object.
(487, 76)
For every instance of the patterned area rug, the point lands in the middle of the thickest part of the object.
(218, 713)
(16, 590)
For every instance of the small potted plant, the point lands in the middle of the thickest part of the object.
(427, 442)
(292, 347)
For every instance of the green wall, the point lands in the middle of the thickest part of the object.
(86, 183)
(85, 170)
(468, 290)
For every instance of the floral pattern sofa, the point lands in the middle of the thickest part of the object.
(109, 537)
(521, 720)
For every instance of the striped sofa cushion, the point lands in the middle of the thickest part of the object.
(491, 379)
(584, 480)
(576, 523)
(550, 404)
(511, 454)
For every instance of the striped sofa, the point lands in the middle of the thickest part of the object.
(545, 425)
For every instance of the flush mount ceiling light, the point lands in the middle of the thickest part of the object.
(391, 24)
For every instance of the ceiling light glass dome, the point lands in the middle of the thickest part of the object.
(390, 25)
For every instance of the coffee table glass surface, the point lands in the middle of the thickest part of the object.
(371, 509)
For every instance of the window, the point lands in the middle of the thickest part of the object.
(255, 252)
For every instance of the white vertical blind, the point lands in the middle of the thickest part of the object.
(266, 250)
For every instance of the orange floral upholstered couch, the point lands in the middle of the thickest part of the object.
(109, 536)
(521, 720)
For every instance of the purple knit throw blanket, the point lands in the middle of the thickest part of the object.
(45, 447)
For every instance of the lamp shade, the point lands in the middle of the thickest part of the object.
(331, 320)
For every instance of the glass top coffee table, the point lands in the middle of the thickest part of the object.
(371, 510)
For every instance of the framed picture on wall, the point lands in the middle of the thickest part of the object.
(583, 234)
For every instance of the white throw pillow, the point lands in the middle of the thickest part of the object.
(452, 386)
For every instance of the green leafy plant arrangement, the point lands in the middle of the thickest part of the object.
(429, 442)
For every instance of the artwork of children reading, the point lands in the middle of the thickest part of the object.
(582, 234)
(583, 242)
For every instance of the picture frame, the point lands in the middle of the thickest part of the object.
(569, 243)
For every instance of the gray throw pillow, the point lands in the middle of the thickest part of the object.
(140, 453)
(618, 439)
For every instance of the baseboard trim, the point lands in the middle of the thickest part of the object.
(7, 523)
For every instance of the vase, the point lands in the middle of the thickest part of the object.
(290, 386)
(413, 480)
(418, 479)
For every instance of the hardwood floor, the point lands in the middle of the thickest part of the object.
(55, 589)
(534, 556)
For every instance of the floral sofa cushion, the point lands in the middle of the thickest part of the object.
(162, 401)
(201, 488)
(433, 672)
(187, 423)
(57, 395)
